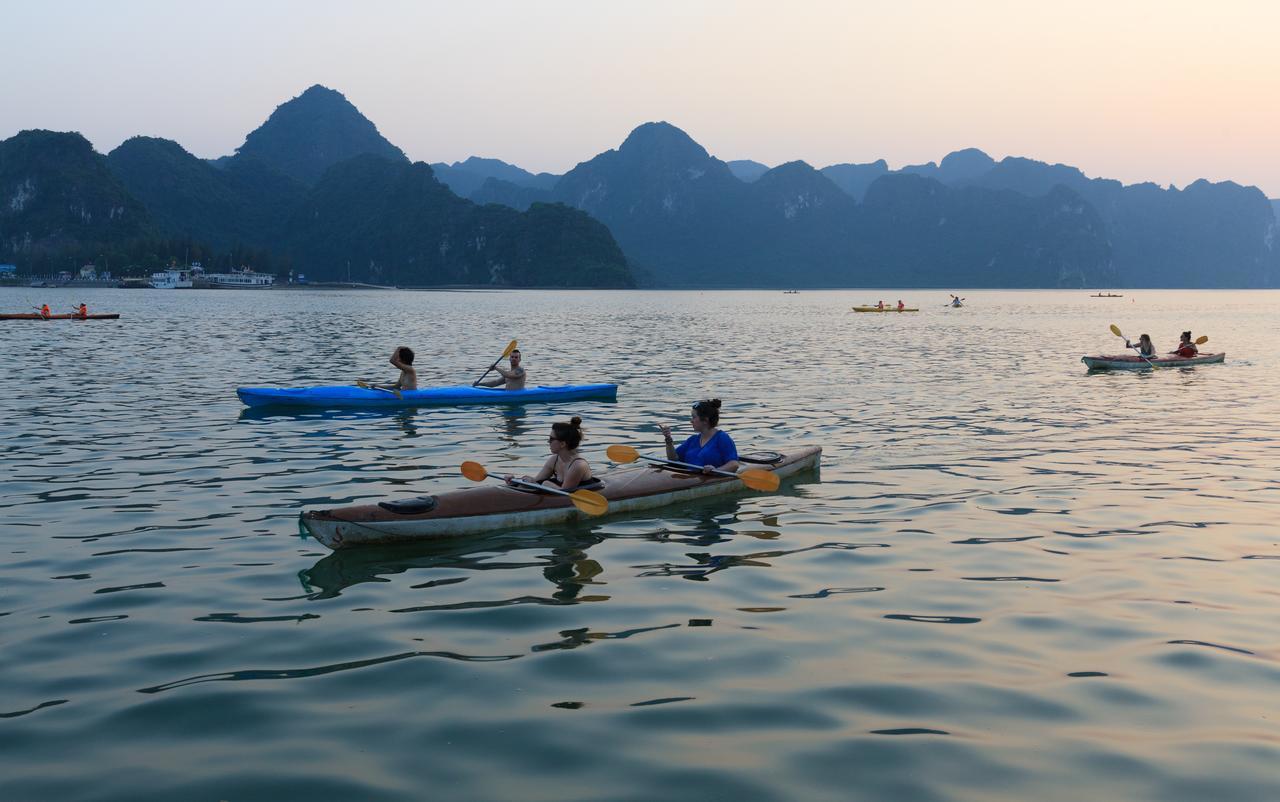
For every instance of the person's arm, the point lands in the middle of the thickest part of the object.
(575, 475)
(547, 468)
(538, 478)
(401, 383)
(498, 382)
(670, 443)
(395, 360)
(726, 453)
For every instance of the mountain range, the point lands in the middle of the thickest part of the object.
(688, 218)
(315, 188)
(318, 188)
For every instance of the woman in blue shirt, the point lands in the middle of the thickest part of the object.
(710, 447)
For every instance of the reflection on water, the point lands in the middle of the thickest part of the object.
(1015, 579)
(562, 551)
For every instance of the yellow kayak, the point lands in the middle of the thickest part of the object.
(886, 309)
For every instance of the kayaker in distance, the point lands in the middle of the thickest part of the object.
(901, 305)
(1145, 346)
(511, 378)
(402, 359)
(45, 311)
(880, 305)
(82, 312)
(1187, 347)
(955, 301)
(709, 447)
(566, 469)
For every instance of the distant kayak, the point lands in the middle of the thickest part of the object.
(35, 316)
(1107, 295)
(480, 510)
(344, 395)
(1132, 362)
(886, 309)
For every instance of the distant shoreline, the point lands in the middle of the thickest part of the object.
(492, 288)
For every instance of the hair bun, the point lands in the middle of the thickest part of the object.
(575, 422)
(715, 402)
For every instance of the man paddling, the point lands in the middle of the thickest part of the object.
(511, 378)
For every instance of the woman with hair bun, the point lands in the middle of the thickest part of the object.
(1186, 348)
(709, 446)
(565, 468)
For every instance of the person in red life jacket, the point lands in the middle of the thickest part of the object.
(880, 305)
(1186, 348)
(82, 312)
(901, 305)
(45, 312)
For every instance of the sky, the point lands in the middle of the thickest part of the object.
(1166, 91)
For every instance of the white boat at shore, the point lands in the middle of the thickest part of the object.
(240, 280)
(172, 279)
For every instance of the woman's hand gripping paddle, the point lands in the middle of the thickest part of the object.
(754, 478)
(511, 346)
(589, 501)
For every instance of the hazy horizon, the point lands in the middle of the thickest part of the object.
(1163, 92)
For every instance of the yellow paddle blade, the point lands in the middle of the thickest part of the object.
(758, 479)
(622, 453)
(362, 383)
(1202, 339)
(474, 471)
(506, 352)
(1116, 330)
(590, 502)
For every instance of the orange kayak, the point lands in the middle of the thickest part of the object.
(36, 316)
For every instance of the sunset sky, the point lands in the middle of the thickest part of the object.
(1140, 91)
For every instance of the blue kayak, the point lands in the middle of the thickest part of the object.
(336, 396)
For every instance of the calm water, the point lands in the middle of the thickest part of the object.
(1011, 579)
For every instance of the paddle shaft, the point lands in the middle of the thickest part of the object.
(536, 486)
(698, 468)
(489, 370)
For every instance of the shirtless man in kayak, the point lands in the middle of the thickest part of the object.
(511, 378)
(401, 358)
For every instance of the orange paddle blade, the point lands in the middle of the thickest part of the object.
(474, 471)
(590, 502)
(758, 479)
(1116, 330)
(1202, 339)
(622, 453)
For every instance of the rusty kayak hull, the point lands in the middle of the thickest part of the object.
(493, 507)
